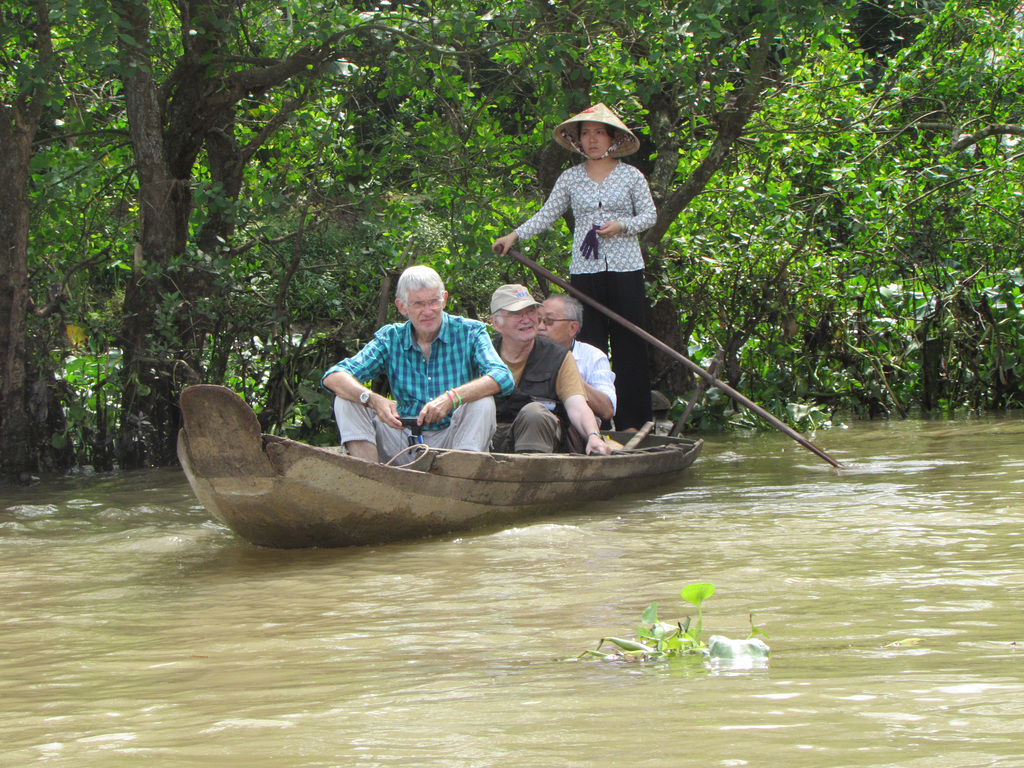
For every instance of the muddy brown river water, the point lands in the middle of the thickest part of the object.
(136, 631)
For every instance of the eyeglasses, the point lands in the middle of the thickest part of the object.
(419, 306)
(519, 312)
(552, 320)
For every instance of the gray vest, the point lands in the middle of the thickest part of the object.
(538, 381)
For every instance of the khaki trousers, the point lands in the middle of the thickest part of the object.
(535, 430)
(471, 428)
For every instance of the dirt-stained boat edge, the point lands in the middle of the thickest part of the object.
(276, 492)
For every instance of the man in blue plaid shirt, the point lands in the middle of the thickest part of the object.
(443, 371)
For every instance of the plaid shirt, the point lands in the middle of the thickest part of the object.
(461, 352)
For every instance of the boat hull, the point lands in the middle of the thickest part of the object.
(281, 493)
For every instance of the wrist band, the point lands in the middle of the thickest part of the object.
(595, 433)
(455, 397)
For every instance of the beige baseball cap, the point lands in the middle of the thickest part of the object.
(512, 298)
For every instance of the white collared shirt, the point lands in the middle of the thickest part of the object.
(595, 369)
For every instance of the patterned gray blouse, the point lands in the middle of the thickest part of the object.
(623, 196)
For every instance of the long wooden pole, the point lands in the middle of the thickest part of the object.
(659, 344)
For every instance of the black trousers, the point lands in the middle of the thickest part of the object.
(621, 292)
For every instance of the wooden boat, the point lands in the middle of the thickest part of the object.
(281, 493)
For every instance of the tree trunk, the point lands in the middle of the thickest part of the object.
(169, 124)
(19, 122)
(733, 121)
(16, 132)
(664, 116)
(667, 373)
(144, 435)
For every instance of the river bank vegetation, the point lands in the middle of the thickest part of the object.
(223, 192)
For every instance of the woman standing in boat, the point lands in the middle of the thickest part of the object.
(611, 204)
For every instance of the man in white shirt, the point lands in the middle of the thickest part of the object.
(560, 319)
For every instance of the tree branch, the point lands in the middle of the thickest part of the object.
(734, 120)
(998, 129)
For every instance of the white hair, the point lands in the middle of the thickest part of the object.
(416, 278)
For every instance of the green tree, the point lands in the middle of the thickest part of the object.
(218, 188)
(186, 74)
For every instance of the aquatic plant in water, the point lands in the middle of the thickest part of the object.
(657, 639)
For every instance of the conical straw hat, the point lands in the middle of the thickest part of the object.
(567, 135)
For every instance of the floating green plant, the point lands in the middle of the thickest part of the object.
(656, 639)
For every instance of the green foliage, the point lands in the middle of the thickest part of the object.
(858, 249)
(90, 403)
(849, 256)
(658, 640)
(697, 594)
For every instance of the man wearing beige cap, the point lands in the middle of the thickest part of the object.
(547, 412)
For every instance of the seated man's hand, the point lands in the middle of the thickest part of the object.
(436, 409)
(596, 444)
(387, 411)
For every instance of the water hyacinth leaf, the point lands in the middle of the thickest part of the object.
(662, 630)
(656, 640)
(628, 645)
(673, 643)
(598, 654)
(697, 593)
(755, 631)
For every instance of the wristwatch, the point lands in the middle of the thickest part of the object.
(364, 397)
